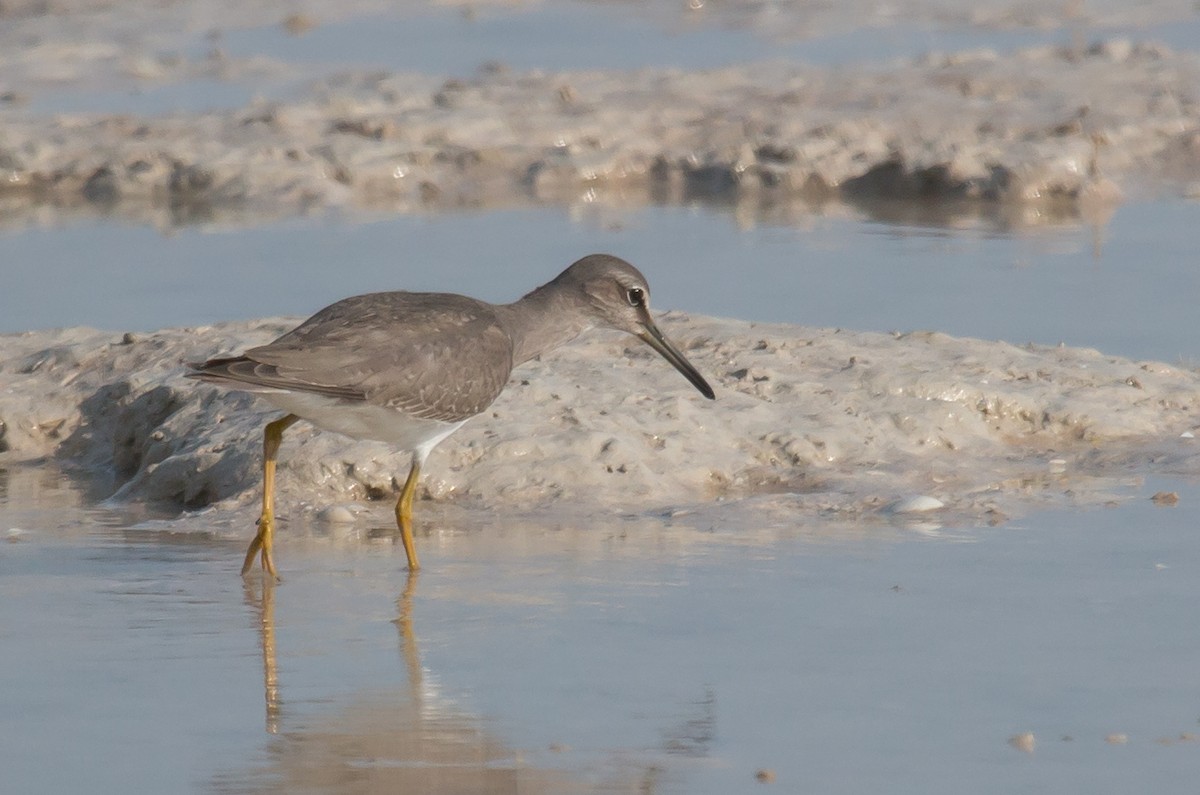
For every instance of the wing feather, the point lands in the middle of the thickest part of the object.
(432, 355)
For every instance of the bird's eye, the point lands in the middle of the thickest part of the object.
(636, 296)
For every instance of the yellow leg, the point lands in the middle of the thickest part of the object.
(404, 514)
(272, 438)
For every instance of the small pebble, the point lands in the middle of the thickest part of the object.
(336, 514)
(765, 775)
(298, 24)
(1024, 741)
(1057, 464)
(917, 504)
(1165, 498)
(1116, 738)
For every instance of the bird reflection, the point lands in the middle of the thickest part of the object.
(260, 597)
(264, 604)
(382, 741)
(408, 639)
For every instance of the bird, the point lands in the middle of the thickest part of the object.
(409, 369)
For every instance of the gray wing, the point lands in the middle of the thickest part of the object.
(432, 355)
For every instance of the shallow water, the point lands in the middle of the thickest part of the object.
(1127, 288)
(584, 36)
(656, 657)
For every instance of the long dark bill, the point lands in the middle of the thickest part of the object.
(655, 339)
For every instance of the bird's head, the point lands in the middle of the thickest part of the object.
(618, 297)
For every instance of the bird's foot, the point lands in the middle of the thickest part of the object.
(261, 547)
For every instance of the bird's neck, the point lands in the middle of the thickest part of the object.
(542, 321)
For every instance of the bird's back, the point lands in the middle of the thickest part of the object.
(436, 356)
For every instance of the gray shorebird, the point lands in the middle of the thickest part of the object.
(410, 368)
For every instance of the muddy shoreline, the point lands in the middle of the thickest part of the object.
(807, 423)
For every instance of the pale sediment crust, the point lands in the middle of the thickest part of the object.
(809, 425)
(1057, 129)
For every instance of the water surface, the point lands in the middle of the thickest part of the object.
(614, 657)
(1127, 288)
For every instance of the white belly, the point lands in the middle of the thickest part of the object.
(364, 421)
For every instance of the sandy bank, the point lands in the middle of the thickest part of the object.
(807, 422)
